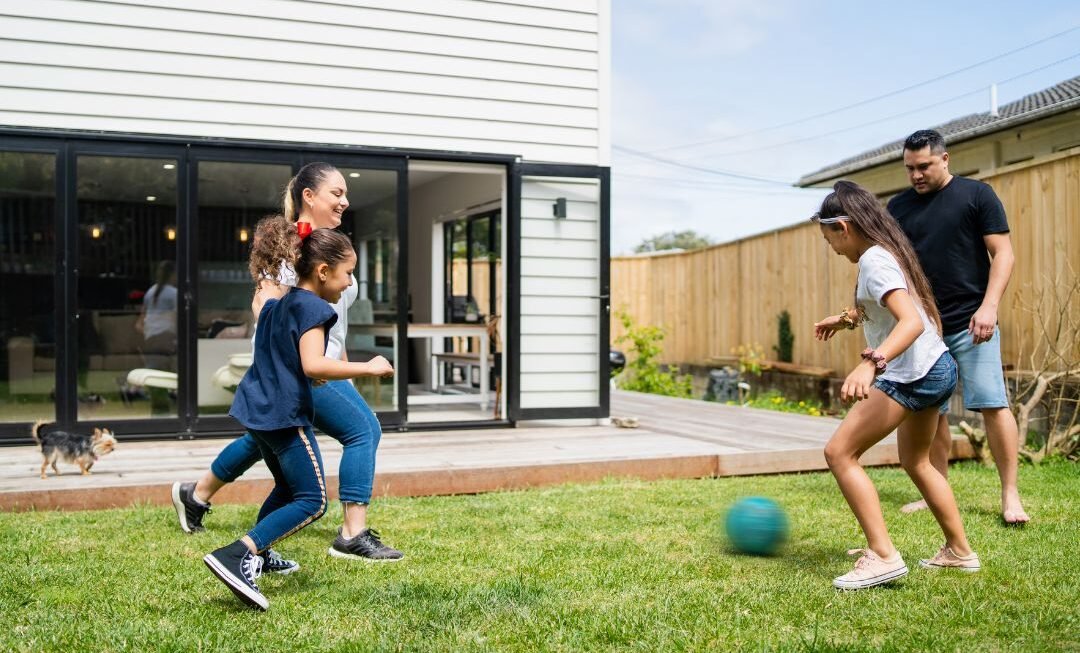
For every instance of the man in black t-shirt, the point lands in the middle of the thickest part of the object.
(960, 233)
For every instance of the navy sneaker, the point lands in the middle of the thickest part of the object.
(273, 563)
(238, 568)
(188, 510)
(365, 546)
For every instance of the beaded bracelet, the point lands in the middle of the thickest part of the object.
(878, 359)
(845, 319)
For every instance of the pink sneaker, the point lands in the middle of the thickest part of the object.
(870, 570)
(946, 559)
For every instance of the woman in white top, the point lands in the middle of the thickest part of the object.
(903, 381)
(315, 198)
(157, 321)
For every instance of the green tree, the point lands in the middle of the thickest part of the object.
(688, 239)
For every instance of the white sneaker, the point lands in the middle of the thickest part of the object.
(870, 570)
(946, 559)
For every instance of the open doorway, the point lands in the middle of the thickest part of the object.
(456, 290)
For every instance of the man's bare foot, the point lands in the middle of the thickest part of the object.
(914, 506)
(1012, 511)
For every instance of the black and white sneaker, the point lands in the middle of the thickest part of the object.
(188, 509)
(365, 546)
(238, 568)
(273, 563)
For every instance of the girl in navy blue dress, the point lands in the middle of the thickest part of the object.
(273, 401)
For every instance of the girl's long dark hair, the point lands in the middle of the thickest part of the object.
(165, 271)
(875, 224)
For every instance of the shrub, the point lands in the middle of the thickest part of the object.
(784, 337)
(643, 371)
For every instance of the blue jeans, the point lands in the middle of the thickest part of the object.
(299, 494)
(341, 413)
(931, 391)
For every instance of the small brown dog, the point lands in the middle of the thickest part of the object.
(82, 450)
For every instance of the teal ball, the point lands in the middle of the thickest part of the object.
(756, 525)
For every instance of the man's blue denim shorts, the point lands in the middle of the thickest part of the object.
(931, 391)
(981, 378)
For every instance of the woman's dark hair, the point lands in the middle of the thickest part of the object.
(165, 271)
(322, 246)
(310, 176)
(869, 218)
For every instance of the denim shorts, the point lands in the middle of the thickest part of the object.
(981, 378)
(931, 391)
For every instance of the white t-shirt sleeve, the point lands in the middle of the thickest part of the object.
(883, 274)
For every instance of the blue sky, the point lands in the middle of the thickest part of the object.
(687, 71)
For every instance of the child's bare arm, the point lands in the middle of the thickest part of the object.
(266, 291)
(318, 366)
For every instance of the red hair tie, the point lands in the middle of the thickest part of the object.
(303, 229)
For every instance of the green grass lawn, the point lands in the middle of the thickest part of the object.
(620, 565)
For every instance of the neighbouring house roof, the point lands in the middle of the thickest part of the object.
(1060, 97)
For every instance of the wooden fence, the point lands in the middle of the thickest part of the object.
(715, 299)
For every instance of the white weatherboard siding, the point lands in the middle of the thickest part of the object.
(504, 77)
(560, 284)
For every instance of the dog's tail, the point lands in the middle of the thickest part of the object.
(35, 431)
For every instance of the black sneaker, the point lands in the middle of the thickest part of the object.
(238, 568)
(273, 563)
(188, 510)
(365, 546)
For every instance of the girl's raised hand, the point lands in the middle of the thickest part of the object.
(857, 384)
(828, 327)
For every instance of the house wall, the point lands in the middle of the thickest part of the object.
(560, 282)
(511, 77)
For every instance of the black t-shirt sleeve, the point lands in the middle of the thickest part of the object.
(990, 211)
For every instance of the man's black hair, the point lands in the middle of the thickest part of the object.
(925, 138)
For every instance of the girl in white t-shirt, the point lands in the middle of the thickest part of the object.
(904, 380)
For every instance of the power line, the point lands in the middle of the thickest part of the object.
(703, 184)
(711, 171)
(869, 100)
(893, 116)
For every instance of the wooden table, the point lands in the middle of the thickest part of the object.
(433, 331)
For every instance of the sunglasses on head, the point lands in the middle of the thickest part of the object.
(833, 220)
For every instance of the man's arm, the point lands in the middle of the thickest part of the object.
(982, 324)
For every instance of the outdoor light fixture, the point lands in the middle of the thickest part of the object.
(169, 166)
(354, 175)
(170, 233)
(559, 208)
(242, 234)
(151, 198)
(96, 231)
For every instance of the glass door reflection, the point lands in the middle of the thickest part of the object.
(127, 290)
(232, 198)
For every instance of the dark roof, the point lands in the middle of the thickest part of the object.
(1056, 99)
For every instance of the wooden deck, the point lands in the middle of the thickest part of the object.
(677, 438)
